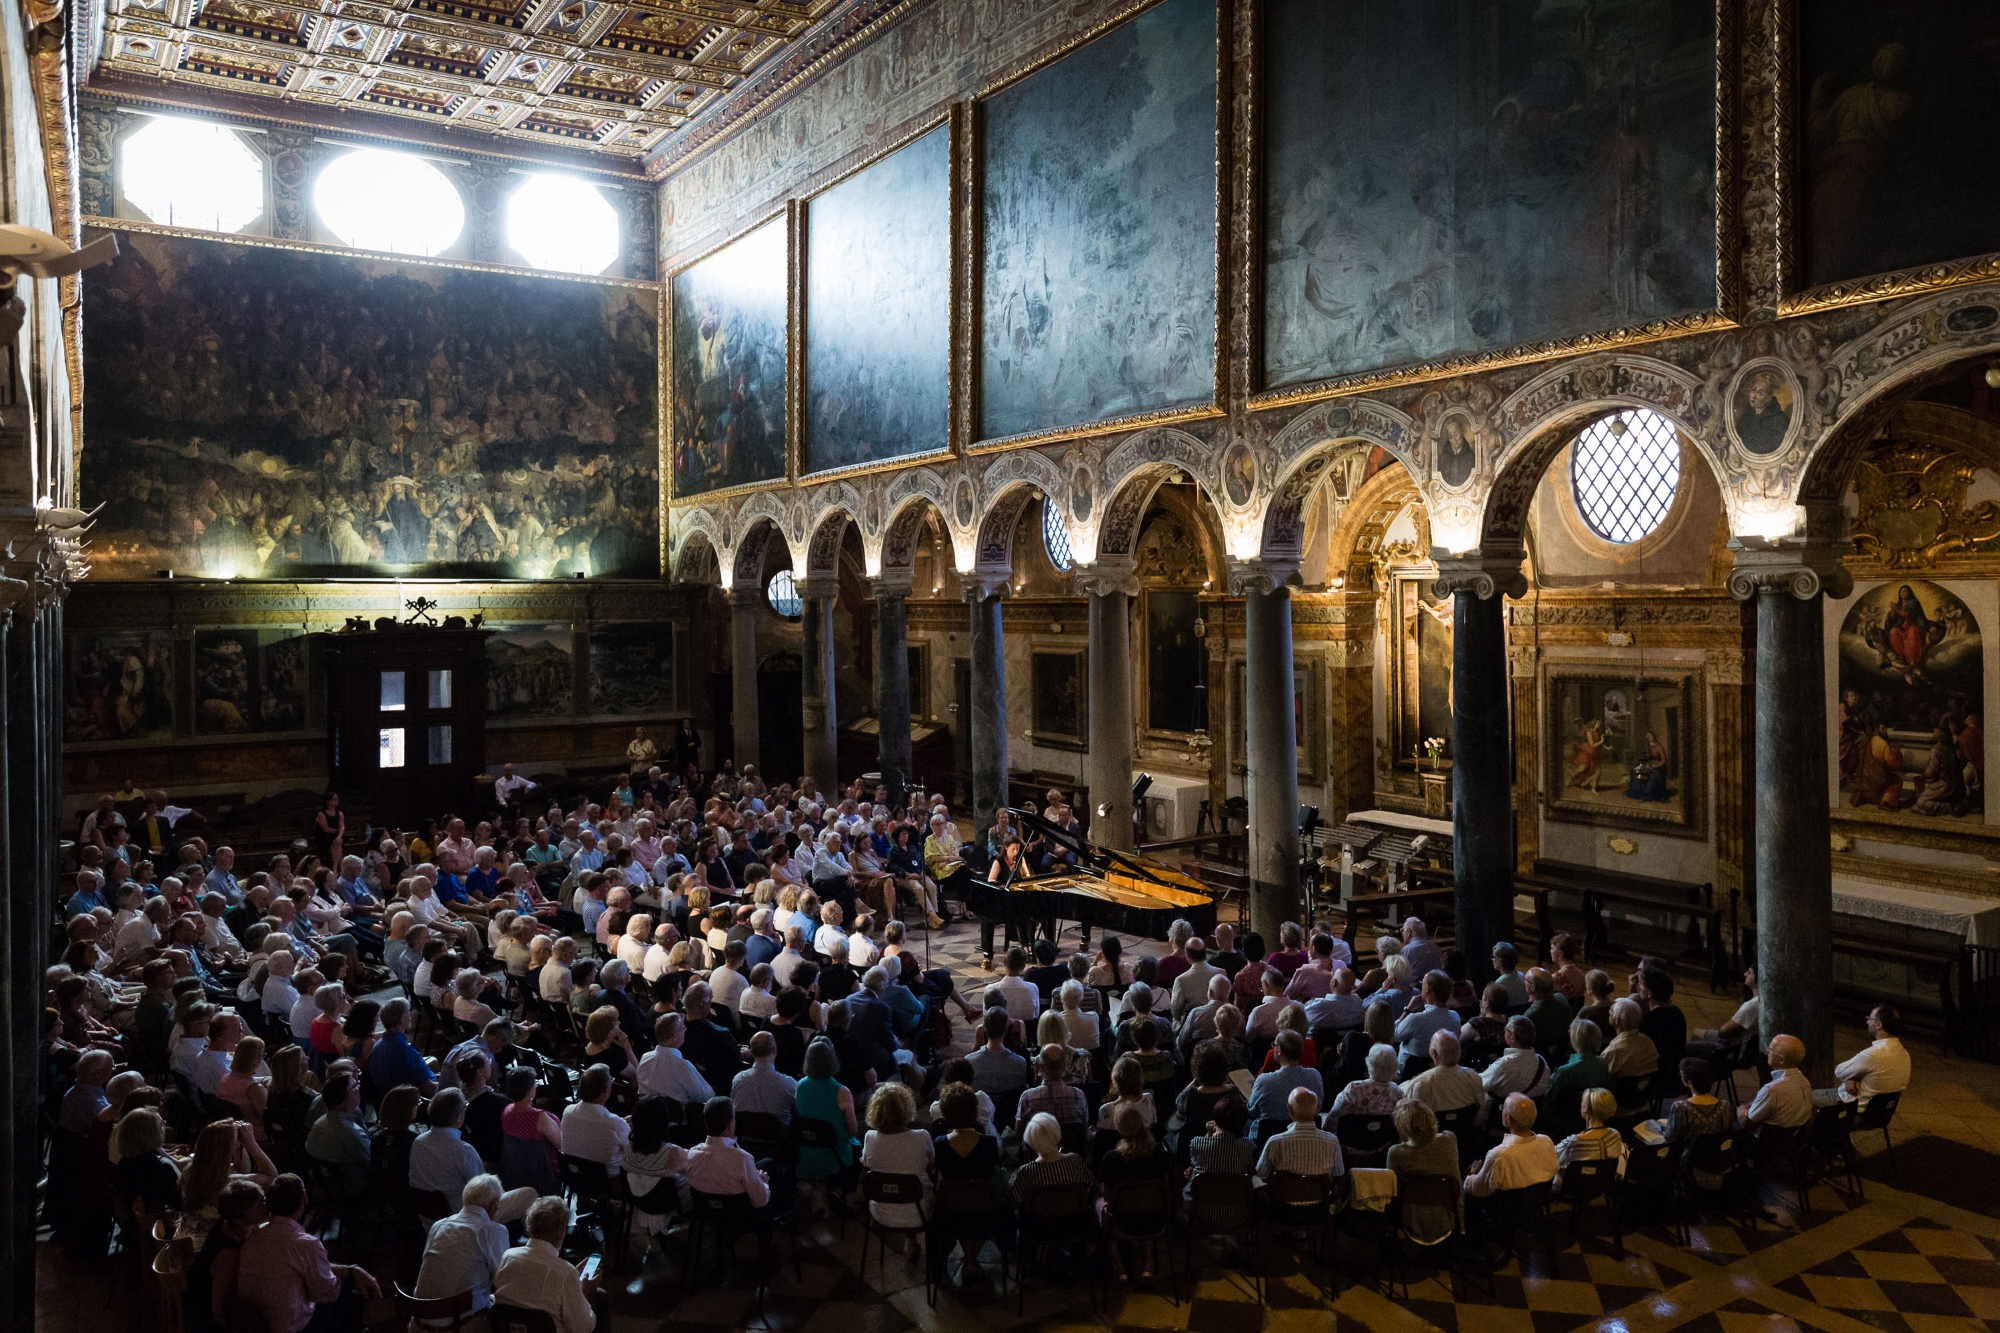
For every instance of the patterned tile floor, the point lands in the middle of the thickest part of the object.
(1920, 1255)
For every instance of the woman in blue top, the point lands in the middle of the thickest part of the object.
(822, 1097)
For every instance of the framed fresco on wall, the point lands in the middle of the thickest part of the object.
(1308, 709)
(1898, 104)
(1447, 178)
(1098, 291)
(632, 669)
(920, 682)
(409, 417)
(250, 680)
(530, 671)
(1061, 681)
(1419, 668)
(1175, 698)
(120, 686)
(877, 310)
(728, 365)
(1623, 747)
(1912, 692)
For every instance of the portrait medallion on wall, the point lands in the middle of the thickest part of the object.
(1082, 494)
(1623, 748)
(1912, 692)
(1765, 414)
(1900, 104)
(530, 671)
(249, 680)
(1446, 179)
(121, 686)
(729, 319)
(1099, 235)
(962, 503)
(878, 310)
(1457, 455)
(1239, 474)
(262, 413)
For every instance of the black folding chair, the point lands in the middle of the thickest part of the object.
(1876, 1117)
(964, 1214)
(1592, 1182)
(1220, 1207)
(1364, 1139)
(889, 1190)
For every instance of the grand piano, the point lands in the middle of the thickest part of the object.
(1109, 889)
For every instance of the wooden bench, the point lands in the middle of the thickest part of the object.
(1598, 888)
(1435, 889)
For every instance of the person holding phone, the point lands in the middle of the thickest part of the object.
(535, 1276)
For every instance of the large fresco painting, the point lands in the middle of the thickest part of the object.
(1454, 176)
(120, 687)
(729, 365)
(632, 669)
(1912, 687)
(878, 310)
(1901, 116)
(530, 671)
(258, 412)
(1099, 230)
(249, 680)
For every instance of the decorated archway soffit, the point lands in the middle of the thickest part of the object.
(1834, 375)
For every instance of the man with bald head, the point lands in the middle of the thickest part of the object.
(1786, 1101)
(1521, 1158)
(1304, 1149)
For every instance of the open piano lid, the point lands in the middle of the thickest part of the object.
(1108, 860)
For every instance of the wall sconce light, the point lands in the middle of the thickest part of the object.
(1993, 376)
(1200, 628)
(1339, 582)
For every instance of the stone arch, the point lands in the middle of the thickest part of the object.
(1172, 502)
(904, 533)
(1130, 475)
(1522, 435)
(1359, 420)
(694, 546)
(822, 548)
(993, 548)
(753, 550)
(1339, 465)
(1358, 534)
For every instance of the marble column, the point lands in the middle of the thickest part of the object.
(743, 607)
(1788, 578)
(816, 695)
(1482, 769)
(1270, 742)
(1111, 583)
(989, 698)
(892, 681)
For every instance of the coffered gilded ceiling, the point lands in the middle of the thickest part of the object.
(621, 79)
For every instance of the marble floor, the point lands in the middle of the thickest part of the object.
(1920, 1253)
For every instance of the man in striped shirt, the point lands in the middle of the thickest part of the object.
(1304, 1149)
(1053, 1096)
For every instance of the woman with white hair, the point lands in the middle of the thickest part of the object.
(466, 1006)
(1630, 1054)
(633, 943)
(1375, 1095)
(830, 867)
(1052, 1166)
(1079, 1028)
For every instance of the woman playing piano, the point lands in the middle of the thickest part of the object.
(1011, 865)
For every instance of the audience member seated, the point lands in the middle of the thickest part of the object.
(535, 1276)
(464, 1251)
(1444, 1086)
(1375, 1095)
(1786, 1100)
(1521, 1158)
(1881, 1066)
(283, 1272)
(1597, 1141)
(1421, 1150)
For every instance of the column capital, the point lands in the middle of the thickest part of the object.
(1109, 574)
(1802, 566)
(893, 582)
(1258, 574)
(978, 583)
(818, 586)
(739, 597)
(1485, 572)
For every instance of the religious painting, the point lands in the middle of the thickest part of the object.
(1421, 671)
(1912, 686)
(1239, 474)
(1306, 708)
(258, 413)
(1099, 230)
(1623, 747)
(1082, 494)
(121, 686)
(728, 365)
(632, 669)
(1176, 697)
(530, 671)
(249, 680)
(1900, 114)
(878, 310)
(920, 681)
(1764, 407)
(1062, 699)
(1456, 454)
(1449, 177)
(962, 503)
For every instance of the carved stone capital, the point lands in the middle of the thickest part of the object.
(893, 581)
(1485, 573)
(1109, 574)
(813, 588)
(1521, 662)
(1258, 574)
(740, 596)
(1725, 666)
(978, 583)
(1804, 567)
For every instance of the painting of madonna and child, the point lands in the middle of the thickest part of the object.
(1912, 687)
(260, 413)
(1620, 749)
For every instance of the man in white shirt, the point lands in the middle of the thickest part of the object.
(279, 994)
(1023, 999)
(727, 982)
(591, 1132)
(509, 784)
(1519, 1069)
(534, 1276)
(664, 1070)
(788, 958)
(1444, 1086)
(464, 1251)
(1190, 989)
(1881, 1066)
(306, 1008)
(1261, 1023)
(1787, 1100)
(1520, 1159)
(188, 1047)
(1199, 1025)
(1342, 1007)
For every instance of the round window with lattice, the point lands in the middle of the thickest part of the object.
(782, 592)
(1624, 472)
(1055, 537)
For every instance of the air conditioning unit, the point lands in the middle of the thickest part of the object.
(1173, 805)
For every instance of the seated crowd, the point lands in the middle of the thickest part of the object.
(701, 990)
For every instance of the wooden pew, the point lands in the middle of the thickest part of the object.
(1599, 888)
